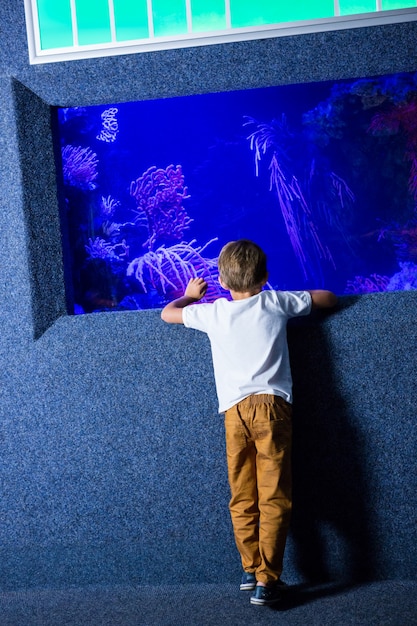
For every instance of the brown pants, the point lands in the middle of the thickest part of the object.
(258, 448)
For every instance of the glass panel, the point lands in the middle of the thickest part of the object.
(305, 10)
(93, 21)
(131, 19)
(250, 13)
(397, 4)
(169, 17)
(351, 7)
(208, 15)
(55, 24)
(243, 14)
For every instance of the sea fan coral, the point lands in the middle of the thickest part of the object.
(344, 193)
(79, 166)
(170, 269)
(270, 139)
(159, 194)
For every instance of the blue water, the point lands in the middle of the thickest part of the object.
(322, 175)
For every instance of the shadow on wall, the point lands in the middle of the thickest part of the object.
(42, 220)
(331, 522)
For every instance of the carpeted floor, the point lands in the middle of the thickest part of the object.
(389, 603)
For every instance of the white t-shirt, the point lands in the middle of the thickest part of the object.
(249, 342)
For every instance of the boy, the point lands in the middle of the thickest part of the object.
(254, 387)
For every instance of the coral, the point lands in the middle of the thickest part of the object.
(401, 118)
(342, 189)
(132, 302)
(266, 137)
(296, 212)
(169, 269)
(99, 249)
(367, 284)
(79, 166)
(163, 272)
(406, 241)
(110, 229)
(125, 249)
(108, 205)
(326, 119)
(369, 91)
(110, 125)
(405, 279)
(403, 237)
(67, 114)
(159, 195)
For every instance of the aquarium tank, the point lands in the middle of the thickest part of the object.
(322, 175)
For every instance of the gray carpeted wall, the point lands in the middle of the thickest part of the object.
(112, 457)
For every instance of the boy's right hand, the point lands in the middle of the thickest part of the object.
(196, 288)
(172, 312)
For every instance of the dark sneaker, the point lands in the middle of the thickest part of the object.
(268, 595)
(248, 582)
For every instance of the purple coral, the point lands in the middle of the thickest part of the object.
(79, 166)
(367, 284)
(110, 125)
(159, 195)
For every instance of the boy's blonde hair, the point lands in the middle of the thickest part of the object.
(242, 265)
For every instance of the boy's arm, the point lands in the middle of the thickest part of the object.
(172, 312)
(323, 299)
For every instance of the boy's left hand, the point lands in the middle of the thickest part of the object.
(196, 288)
